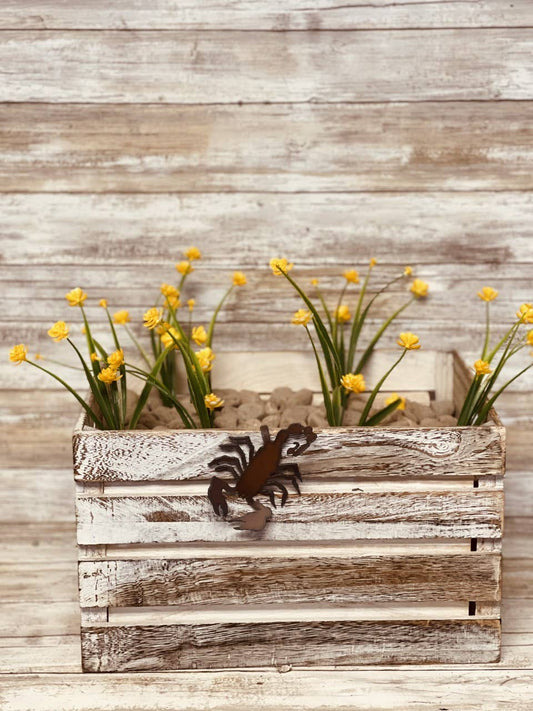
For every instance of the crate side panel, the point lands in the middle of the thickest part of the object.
(337, 452)
(276, 580)
(159, 648)
(166, 519)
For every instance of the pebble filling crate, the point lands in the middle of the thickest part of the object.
(390, 555)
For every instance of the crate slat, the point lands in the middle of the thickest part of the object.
(331, 579)
(155, 648)
(165, 519)
(337, 452)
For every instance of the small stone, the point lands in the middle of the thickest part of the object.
(298, 413)
(163, 414)
(249, 424)
(302, 397)
(271, 420)
(420, 411)
(176, 423)
(160, 427)
(251, 410)
(271, 408)
(281, 396)
(149, 420)
(442, 407)
(429, 422)
(403, 422)
(351, 418)
(231, 397)
(448, 420)
(227, 419)
(355, 403)
(315, 419)
(250, 396)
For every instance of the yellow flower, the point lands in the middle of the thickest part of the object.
(342, 314)
(525, 313)
(529, 339)
(191, 304)
(351, 276)
(301, 317)
(152, 317)
(121, 317)
(373, 263)
(59, 331)
(482, 367)
(166, 337)
(76, 297)
(199, 336)
(103, 303)
(393, 397)
(280, 265)
(239, 279)
(419, 288)
(94, 357)
(162, 328)
(116, 359)
(83, 330)
(18, 354)
(408, 271)
(169, 290)
(37, 356)
(212, 401)
(408, 341)
(109, 375)
(192, 253)
(487, 293)
(354, 382)
(172, 302)
(314, 282)
(184, 267)
(206, 358)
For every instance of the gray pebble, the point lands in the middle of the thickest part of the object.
(448, 420)
(403, 422)
(297, 413)
(249, 424)
(351, 418)
(251, 410)
(231, 397)
(271, 408)
(429, 422)
(271, 420)
(315, 419)
(302, 397)
(443, 407)
(280, 396)
(227, 419)
(356, 403)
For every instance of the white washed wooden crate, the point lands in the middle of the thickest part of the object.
(391, 555)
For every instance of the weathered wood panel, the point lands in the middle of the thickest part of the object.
(273, 644)
(168, 519)
(227, 67)
(286, 148)
(464, 234)
(263, 14)
(345, 452)
(276, 580)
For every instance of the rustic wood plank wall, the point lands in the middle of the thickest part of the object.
(332, 133)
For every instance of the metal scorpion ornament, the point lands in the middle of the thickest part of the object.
(258, 472)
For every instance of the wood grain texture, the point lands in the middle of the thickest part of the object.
(276, 580)
(319, 643)
(274, 15)
(343, 452)
(461, 234)
(281, 148)
(227, 67)
(312, 517)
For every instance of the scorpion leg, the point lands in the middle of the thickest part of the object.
(227, 468)
(233, 447)
(282, 488)
(265, 434)
(215, 493)
(291, 467)
(233, 461)
(269, 491)
(244, 440)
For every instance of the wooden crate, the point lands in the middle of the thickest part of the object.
(391, 555)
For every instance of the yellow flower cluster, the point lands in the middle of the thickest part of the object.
(206, 358)
(525, 313)
(184, 268)
(353, 382)
(351, 276)
(419, 288)
(169, 336)
(153, 317)
(342, 314)
(487, 293)
(482, 367)
(76, 297)
(191, 304)
(393, 397)
(109, 375)
(121, 317)
(407, 272)
(58, 331)
(529, 338)
(18, 354)
(199, 335)
(301, 317)
(192, 253)
(408, 341)
(212, 401)
(103, 303)
(116, 359)
(279, 265)
(239, 279)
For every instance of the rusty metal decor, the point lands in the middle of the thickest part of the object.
(256, 473)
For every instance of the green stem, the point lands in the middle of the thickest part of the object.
(368, 352)
(138, 346)
(487, 331)
(370, 401)
(482, 416)
(212, 323)
(99, 396)
(181, 410)
(323, 384)
(326, 310)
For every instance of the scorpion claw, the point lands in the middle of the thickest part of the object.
(254, 521)
(217, 498)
